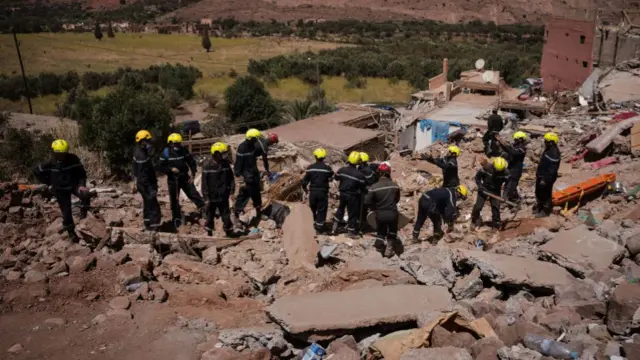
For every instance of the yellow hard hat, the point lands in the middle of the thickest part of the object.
(364, 157)
(520, 135)
(500, 163)
(252, 134)
(174, 138)
(60, 146)
(219, 147)
(462, 190)
(551, 137)
(354, 158)
(143, 135)
(454, 150)
(320, 153)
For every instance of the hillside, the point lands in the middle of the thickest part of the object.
(452, 11)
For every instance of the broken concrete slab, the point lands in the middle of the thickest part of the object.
(469, 286)
(330, 314)
(431, 267)
(623, 304)
(299, 241)
(514, 271)
(449, 352)
(582, 251)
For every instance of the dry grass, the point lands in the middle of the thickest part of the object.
(92, 161)
(82, 52)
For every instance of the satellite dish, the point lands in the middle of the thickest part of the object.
(487, 76)
(479, 64)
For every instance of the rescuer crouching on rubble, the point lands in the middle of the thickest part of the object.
(218, 183)
(383, 198)
(438, 204)
(66, 175)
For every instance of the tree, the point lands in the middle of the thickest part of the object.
(248, 102)
(179, 78)
(298, 110)
(206, 42)
(116, 119)
(110, 33)
(97, 32)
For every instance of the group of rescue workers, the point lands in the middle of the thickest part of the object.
(363, 186)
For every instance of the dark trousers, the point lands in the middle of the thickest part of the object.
(511, 188)
(248, 191)
(175, 185)
(352, 204)
(386, 226)
(150, 207)
(495, 208)
(491, 147)
(427, 209)
(64, 201)
(544, 196)
(319, 204)
(225, 214)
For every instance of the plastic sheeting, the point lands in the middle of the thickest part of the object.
(439, 129)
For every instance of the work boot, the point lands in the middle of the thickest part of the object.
(73, 237)
(541, 214)
(83, 213)
(496, 225)
(177, 223)
(475, 224)
(209, 233)
(414, 240)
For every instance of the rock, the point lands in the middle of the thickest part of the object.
(129, 274)
(582, 251)
(581, 296)
(633, 244)
(488, 294)
(261, 274)
(120, 257)
(94, 226)
(515, 333)
(631, 349)
(599, 332)
(469, 286)
(143, 254)
(99, 319)
(431, 267)
(54, 228)
(342, 312)
(256, 339)
(80, 264)
(441, 337)
(13, 275)
(230, 354)
(612, 349)
(200, 324)
(120, 302)
(57, 268)
(113, 217)
(559, 319)
(76, 250)
(298, 240)
(486, 349)
(7, 259)
(188, 270)
(346, 341)
(518, 353)
(92, 296)
(55, 321)
(160, 295)
(119, 314)
(540, 236)
(610, 230)
(33, 276)
(210, 256)
(15, 349)
(514, 271)
(623, 304)
(448, 353)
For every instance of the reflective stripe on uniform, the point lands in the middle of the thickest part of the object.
(550, 158)
(140, 161)
(244, 154)
(319, 170)
(384, 188)
(451, 197)
(352, 178)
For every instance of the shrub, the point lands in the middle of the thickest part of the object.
(248, 102)
(180, 78)
(21, 151)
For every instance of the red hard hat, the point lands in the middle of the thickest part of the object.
(384, 168)
(273, 138)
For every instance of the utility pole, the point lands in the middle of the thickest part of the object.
(24, 77)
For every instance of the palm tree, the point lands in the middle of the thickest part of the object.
(298, 110)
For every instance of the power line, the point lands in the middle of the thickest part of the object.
(139, 54)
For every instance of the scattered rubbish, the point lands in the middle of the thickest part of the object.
(274, 177)
(135, 286)
(633, 193)
(549, 347)
(617, 188)
(314, 352)
(480, 244)
(587, 187)
(604, 162)
(592, 218)
(327, 250)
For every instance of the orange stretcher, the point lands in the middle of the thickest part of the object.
(575, 192)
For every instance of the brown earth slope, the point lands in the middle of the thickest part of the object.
(452, 11)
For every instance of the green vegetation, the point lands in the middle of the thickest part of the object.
(248, 103)
(20, 150)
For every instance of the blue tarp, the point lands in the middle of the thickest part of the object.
(439, 129)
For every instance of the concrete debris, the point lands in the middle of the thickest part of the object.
(299, 238)
(514, 271)
(120, 302)
(15, 349)
(486, 349)
(200, 324)
(584, 297)
(257, 338)
(469, 286)
(342, 312)
(582, 251)
(623, 304)
(230, 354)
(210, 256)
(449, 353)
(432, 267)
(518, 353)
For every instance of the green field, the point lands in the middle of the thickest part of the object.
(82, 52)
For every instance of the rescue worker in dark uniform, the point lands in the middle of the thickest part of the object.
(495, 124)
(516, 154)
(218, 183)
(449, 166)
(262, 145)
(145, 180)
(383, 198)
(247, 167)
(176, 162)
(438, 204)
(546, 175)
(352, 186)
(316, 184)
(66, 175)
(490, 179)
(368, 169)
